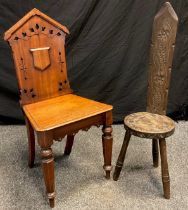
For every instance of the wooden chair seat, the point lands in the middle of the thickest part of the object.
(149, 125)
(62, 110)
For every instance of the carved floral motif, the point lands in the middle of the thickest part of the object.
(160, 66)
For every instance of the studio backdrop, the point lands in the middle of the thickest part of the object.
(107, 52)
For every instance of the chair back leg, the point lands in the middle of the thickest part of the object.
(69, 144)
(31, 143)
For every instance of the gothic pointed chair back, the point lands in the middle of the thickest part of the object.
(161, 55)
(49, 106)
(37, 43)
(153, 124)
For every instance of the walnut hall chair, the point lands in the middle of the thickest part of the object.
(49, 105)
(153, 124)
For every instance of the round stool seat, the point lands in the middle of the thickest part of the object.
(149, 125)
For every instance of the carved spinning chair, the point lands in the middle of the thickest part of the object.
(153, 124)
(50, 108)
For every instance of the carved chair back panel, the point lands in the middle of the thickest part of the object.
(39, 57)
(161, 56)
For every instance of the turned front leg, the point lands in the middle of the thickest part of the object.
(107, 149)
(45, 142)
(164, 168)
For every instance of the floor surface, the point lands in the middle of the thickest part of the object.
(80, 182)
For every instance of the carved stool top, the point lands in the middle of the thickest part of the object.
(149, 125)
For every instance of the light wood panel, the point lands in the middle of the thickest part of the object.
(37, 43)
(63, 110)
(39, 57)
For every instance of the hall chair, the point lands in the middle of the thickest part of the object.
(48, 103)
(153, 124)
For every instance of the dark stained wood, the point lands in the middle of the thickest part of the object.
(31, 143)
(155, 152)
(164, 168)
(51, 110)
(69, 144)
(149, 125)
(161, 56)
(107, 146)
(107, 141)
(153, 123)
(122, 154)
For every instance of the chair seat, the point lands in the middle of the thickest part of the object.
(62, 110)
(149, 125)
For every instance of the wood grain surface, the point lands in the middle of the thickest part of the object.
(50, 108)
(161, 56)
(37, 43)
(153, 123)
(63, 110)
(145, 124)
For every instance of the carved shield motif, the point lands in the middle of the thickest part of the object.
(41, 58)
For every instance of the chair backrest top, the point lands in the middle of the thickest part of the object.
(37, 43)
(29, 15)
(161, 56)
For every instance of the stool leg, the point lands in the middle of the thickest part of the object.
(121, 157)
(69, 144)
(164, 168)
(155, 152)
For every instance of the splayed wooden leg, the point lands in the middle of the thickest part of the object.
(164, 168)
(121, 157)
(155, 152)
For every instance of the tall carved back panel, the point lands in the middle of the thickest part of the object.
(161, 56)
(37, 43)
